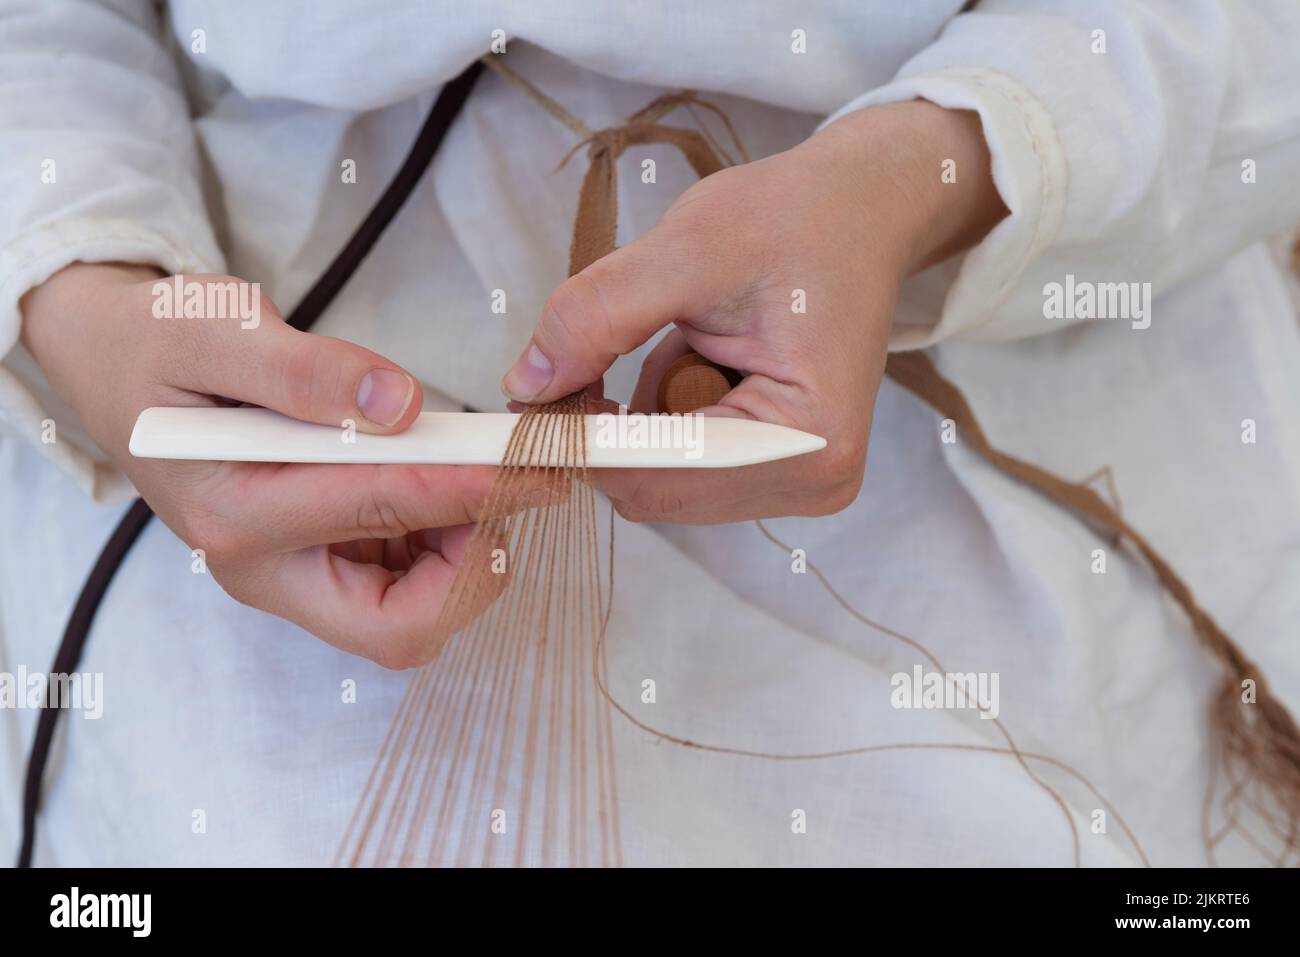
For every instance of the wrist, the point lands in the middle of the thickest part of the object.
(920, 173)
(70, 325)
(68, 296)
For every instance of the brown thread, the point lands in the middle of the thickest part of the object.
(1258, 753)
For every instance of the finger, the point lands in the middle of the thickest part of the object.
(703, 496)
(272, 508)
(813, 484)
(693, 496)
(392, 618)
(594, 392)
(310, 377)
(399, 554)
(610, 308)
(808, 485)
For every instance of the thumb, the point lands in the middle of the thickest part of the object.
(607, 310)
(310, 377)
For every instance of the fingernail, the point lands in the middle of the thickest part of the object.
(384, 395)
(530, 375)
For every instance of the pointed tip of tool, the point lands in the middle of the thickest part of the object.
(782, 442)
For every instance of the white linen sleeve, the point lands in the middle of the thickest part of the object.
(98, 163)
(1132, 141)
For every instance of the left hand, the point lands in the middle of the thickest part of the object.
(844, 216)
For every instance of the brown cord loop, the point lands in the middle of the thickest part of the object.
(596, 225)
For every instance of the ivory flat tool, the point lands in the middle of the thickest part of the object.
(461, 438)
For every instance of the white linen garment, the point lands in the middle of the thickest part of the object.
(210, 137)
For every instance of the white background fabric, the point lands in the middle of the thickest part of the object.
(1123, 166)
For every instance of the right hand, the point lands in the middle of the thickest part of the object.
(363, 556)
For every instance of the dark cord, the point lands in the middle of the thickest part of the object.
(445, 110)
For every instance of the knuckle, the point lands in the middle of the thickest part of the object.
(844, 461)
(378, 517)
(668, 503)
(837, 498)
(575, 315)
(453, 490)
(648, 501)
(400, 652)
(630, 513)
(843, 471)
(220, 541)
(231, 583)
(639, 498)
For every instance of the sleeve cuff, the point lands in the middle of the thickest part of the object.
(26, 399)
(1029, 171)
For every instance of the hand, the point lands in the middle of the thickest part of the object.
(844, 216)
(362, 556)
